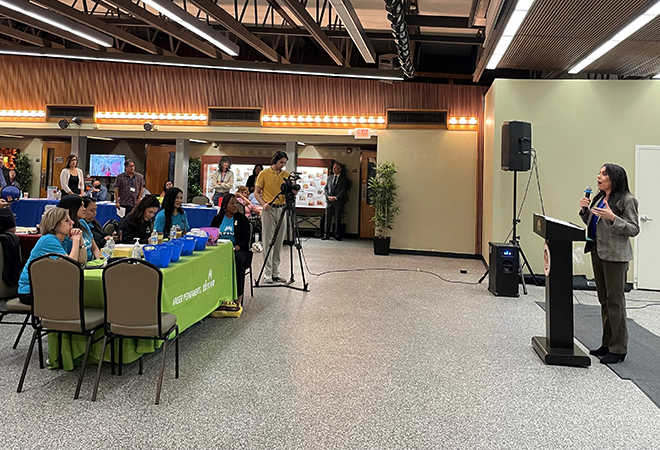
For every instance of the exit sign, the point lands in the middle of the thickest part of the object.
(362, 133)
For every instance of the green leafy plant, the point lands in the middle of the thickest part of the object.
(383, 188)
(24, 174)
(194, 178)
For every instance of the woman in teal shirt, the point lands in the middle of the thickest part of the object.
(172, 214)
(74, 204)
(58, 236)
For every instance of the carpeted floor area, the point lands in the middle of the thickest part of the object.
(365, 360)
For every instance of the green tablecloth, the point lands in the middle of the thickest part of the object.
(192, 288)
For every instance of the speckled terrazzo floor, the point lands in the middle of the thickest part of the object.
(367, 360)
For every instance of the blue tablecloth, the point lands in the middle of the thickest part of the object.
(28, 212)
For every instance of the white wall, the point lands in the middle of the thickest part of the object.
(437, 176)
(577, 126)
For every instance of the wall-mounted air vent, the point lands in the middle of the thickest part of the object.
(54, 113)
(237, 117)
(417, 118)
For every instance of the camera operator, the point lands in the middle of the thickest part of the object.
(266, 188)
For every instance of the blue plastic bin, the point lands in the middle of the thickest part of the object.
(189, 243)
(177, 247)
(159, 255)
(201, 243)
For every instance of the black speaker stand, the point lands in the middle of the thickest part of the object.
(515, 239)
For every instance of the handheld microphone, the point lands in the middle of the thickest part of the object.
(587, 193)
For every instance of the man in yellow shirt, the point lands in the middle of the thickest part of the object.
(266, 188)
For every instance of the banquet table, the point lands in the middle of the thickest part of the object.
(192, 288)
(28, 212)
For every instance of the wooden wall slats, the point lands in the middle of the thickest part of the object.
(31, 83)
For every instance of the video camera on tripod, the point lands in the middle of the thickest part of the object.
(289, 188)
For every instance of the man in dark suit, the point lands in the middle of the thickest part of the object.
(336, 194)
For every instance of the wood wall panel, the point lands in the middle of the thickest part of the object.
(31, 83)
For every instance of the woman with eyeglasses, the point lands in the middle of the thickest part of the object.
(72, 179)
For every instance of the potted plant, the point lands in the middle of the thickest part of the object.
(383, 196)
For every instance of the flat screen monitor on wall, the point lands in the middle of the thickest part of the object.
(106, 165)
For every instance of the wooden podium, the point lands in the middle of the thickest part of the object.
(557, 347)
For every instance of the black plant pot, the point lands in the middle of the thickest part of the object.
(381, 246)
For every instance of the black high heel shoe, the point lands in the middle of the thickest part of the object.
(602, 351)
(612, 358)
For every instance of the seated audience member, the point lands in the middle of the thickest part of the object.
(235, 227)
(252, 178)
(98, 192)
(58, 236)
(254, 200)
(242, 195)
(12, 179)
(74, 204)
(172, 214)
(166, 187)
(100, 236)
(138, 223)
(7, 221)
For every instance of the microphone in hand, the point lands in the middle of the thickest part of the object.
(587, 195)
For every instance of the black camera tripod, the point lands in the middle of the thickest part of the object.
(292, 239)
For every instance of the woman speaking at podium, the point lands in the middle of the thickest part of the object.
(611, 219)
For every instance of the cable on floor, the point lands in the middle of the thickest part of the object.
(384, 269)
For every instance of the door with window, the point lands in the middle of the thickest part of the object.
(53, 156)
(647, 244)
(367, 171)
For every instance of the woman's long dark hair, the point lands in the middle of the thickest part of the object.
(149, 201)
(165, 186)
(168, 207)
(620, 188)
(224, 159)
(67, 163)
(254, 170)
(72, 203)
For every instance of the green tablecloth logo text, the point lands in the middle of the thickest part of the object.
(208, 284)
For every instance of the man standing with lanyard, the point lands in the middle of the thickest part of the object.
(266, 188)
(128, 187)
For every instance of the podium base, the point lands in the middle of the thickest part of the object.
(560, 356)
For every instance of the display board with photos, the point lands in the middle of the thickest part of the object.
(241, 174)
(312, 183)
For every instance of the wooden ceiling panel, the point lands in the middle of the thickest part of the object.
(557, 33)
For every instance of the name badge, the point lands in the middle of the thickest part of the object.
(132, 189)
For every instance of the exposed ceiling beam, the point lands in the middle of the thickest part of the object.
(167, 27)
(20, 17)
(438, 21)
(27, 37)
(355, 29)
(233, 25)
(308, 22)
(283, 14)
(98, 24)
(507, 8)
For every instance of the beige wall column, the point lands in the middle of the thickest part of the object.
(181, 161)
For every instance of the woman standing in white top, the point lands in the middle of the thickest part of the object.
(222, 180)
(72, 179)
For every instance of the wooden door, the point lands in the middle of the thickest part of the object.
(53, 156)
(157, 167)
(367, 170)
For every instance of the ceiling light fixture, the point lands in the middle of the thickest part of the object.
(515, 20)
(626, 32)
(198, 27)
(199, 141)
(61, 22)
(148, 126)
(194, 63)
(350, 19)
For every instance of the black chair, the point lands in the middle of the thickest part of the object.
(15, 307)
(110, 227)
(136, 312)
(248, 260)
(58, 306)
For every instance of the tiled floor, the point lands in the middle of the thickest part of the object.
(365, 360)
